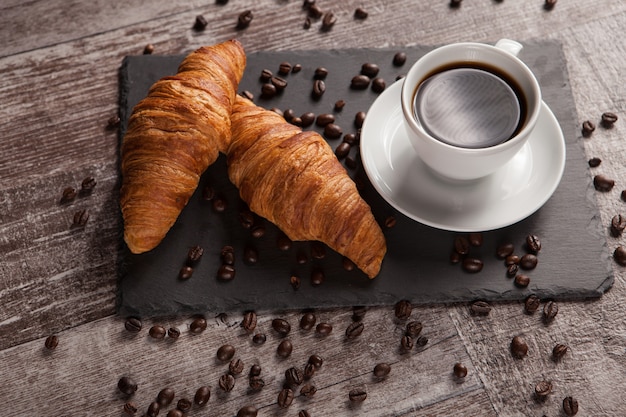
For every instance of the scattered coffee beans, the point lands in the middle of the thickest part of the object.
(399, 59)
(185, 273)
(594, 162)
(309, 371)
(459, 370)
(461, 245)
(512, 260)
(226, 382)
(256, 383)
(284, 68)
(294, 376)
(133, 324)
(317, 277)
(173, 333)
(87, 186)
(175, 413)
(235, 367)
(480, 308)
(157, 332)
(149, 49)
(603, 183)
(608, 119)
(51, 342)
(259, 338)
(455, 4)
(512, 270)
(357, 395)
(359, 118)
(285, 398)
(559, 351)
(284, 349)
(406, 343)
(619, 255)
(342, 150)
(332, 131)
(421, 341)
(618, 224)
(528, 261)
(319, 88)
(623, 195)
(247, 411)
(550, 310)
(281, 326)
(328, 21)
(315, 11)
(244, 19)
(226, 272)
(323, 329)
(354, 330)
(200, 24)
(69, 194)
(381, 370)
(360, 13)
(531, 304)
(522, 280)
(184, 405)
(307, 119)
(324, 119)
(316, 360)
(369, 69)
(308, 390)
(165, 396)
(80, 218)
(472, 265)
(360, 82)
(127, 385)
(225, 352)
(130, 408)
(308, 321)
(198, 325)
(533, 244)
(588, 128)
(570, 406)
(519, 348)
(549, 4)
(249, 321)
(475, 239)
(339, 105)
(153, 409)
(542, 390)
(194, 255)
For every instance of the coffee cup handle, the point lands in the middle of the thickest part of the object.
(509, 46)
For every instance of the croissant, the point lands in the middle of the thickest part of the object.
(292, 178)
(173, 135)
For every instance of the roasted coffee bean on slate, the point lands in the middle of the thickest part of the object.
(247, 411)
(184, 405)
(403, 309)
(528, 261)
(308, 390)
(307, 321)
(249, 321)
(505, 249)
(511, 270)
(558, 351)
(51, 342)
(323, 329)
(320, 73)
(284, 68)
(522, 280)
(226, 272)
(317, 277)
(173, 333)
(354, 329)
(284, 348)
(570, 406)
(285, 398)
(266, 75)
(369, 69)
(413, 329)
(480, 308)
(127, 385)
(339, 105)
(382, 370)
(198, 325)
(185, 273)
(357, 395)
(279, 83)
(461, 245)
(247, 94)
(281, 326)
(165, 396)
(307, 119)
(588, 128)
(226, 382)
(324, 119)
(531, 304)
(268, 90)
(319, 88)
(157, 332)
(533, 244)
(194, 255)
(472, 265)
(619, 255)
(390, 221)
(332, 131)
(130, 408)
(399, 59)
(519, 348)
(603, 183)
(459, 370)
(475, 239)
(618, 224)
(360, 82)
(342, 150)
(359, 119)
(225, 352)
(550, 310)
(543, 389)
(406, 343)
(133, 324)
(608, 119)
(203, 394)
(256, 383)
(294, 376)
(250, 255)
(235, 367)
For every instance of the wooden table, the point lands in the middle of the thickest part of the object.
(59, 62)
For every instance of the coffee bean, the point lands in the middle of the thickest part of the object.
(550, 310)
(285, 398)
(247, 411)
(323, 329)
(339, 105)
(307, 119)
(421, 341)
(219, 204)
(594, 162)
(533, 244)
(403, 309)
(279, 83)
(360, 82)
(175, 413)
(459, 370)
(619, 255)
(157, 332)
(185, 273)
(454, 4)
(381, 370)
(570, 406)
(309, 371)
(623, 195)
(133, 324)
(559, 351)
(360, 13)
(51, 342)
(618, 224)
(153, 409)
(351, 162)
(200, 24)
(603, 183)
(256, 383)
(225, 352)
(307, 23)
(255, 370)
(316, 360)
(354, 329)
(399, 59)
(357, 395)
(226, 382)
(319, 88)
(342, 150)
(247, 94)
(281, 326)
(259, 338)
(268, 90)
(531, 304)
(184, 405)
(406, 343)
(608, 119)
(519, 348)
(165, 396)
(472, 265)
(347, 264)
(130, 408)
(148, 49)
(244, 19)
(549, 4)
(461, 245)
(294, 376)
(528, 261)
(307, 321)
(332, 131)
(317, 277)
(284, 349)
(198, 325)
(542, 390)
(455, 258)
(266, 75)
(320, 73)
(324, 119)
(475, 239)
(512, 260)
(328, 21)
(69, 194)
(284, 68)
(80, 218)
(588, 128)
(314, 11)
(127, 385)
(308, 390)
(113, 122)
(194, 255)
(370, 70)
(505, 249)
(390, 221)
(511, 270)
(235, 367)
(173, 333)
(522, 281)
(480, 308)
(359, 118)
(413, 329)
(226, 272)
(87, 186)
(208, 193)
(250, 255)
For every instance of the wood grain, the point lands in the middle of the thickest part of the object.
(59, 62)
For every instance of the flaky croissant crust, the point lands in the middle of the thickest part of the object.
(292, 178)
(173, 135)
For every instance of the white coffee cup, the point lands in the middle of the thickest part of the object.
(457, 162)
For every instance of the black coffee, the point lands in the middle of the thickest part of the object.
(469, 106)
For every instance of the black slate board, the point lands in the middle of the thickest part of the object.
(574, 261)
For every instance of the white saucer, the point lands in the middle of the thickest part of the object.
(512, 193)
